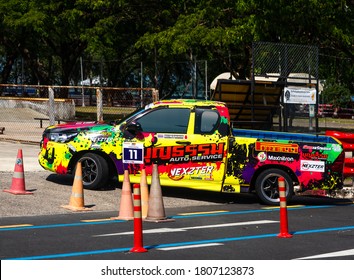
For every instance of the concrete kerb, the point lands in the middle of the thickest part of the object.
(63, 108)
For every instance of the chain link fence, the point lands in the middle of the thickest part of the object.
(25, 110)
(295, 68)
(282, 94)
(301, 106)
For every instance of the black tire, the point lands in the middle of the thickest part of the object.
(95, 172)
(267, 186)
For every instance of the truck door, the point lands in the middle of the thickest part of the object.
(210, 136)
(186, 145)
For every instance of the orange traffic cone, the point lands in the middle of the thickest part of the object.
(18, 178)
(156, 209)
(144, 194)
(76, 202)
(126, 209)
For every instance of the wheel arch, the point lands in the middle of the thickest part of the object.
(106, 157)
(272, 166)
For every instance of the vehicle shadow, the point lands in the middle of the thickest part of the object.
(249, 198)
(208, 196)
(67, 180)
(319, 200)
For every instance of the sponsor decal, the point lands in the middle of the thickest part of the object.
(199, 170)
(208, 179)
(262, 156)
(277, 147)
(318, 148)
(280, 158)
(313, 166)
(176, 154)
(104, 136)
(315, 155)
(195, 173)
(171, 136)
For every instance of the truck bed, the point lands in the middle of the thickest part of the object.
(273, 135)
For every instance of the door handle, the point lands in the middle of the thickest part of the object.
(183, 142)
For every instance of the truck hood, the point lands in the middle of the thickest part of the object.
(80, 126)
(93, 131)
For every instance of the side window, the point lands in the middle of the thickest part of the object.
(206, 121)
(165, 120)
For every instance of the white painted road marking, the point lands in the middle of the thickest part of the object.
(349, 252)
(189, 246)
(167, 230)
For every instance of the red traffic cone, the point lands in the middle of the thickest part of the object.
(138, 225)
(126, 209)
(156, 209)
(284, 232)
(76, 202)
(18, 178)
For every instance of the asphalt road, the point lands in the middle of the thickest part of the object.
(317, 229)
(8, 155)
(50, 191)
(207, 231)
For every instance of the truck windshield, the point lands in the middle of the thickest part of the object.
(131, 115)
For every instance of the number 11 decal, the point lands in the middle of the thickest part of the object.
(133, 153)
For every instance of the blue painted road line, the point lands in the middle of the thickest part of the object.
(159, 246)
(60, 225)
(275, 209)
(173, 217)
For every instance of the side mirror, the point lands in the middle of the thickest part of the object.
(132, 130)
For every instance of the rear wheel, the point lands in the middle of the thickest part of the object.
(95, 172)
(267, 186)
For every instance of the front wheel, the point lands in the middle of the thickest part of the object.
(95, 172)
(267, 188)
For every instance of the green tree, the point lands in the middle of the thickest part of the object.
(48, 35)
(336, 94)
(224, 30)
(114, 37)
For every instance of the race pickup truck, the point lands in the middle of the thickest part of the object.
(194, 146)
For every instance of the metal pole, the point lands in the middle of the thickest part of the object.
(195, 77)
(99, 105)
(51, 106)
(22, 75)
(82, 80)
(141, 85)
(206, 80)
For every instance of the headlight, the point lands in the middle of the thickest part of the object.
(61, 137)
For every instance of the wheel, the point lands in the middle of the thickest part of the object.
(95, 173)
(267, 186)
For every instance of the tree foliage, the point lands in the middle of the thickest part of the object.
(114, 37)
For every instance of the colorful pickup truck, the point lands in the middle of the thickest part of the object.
(194, 146)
